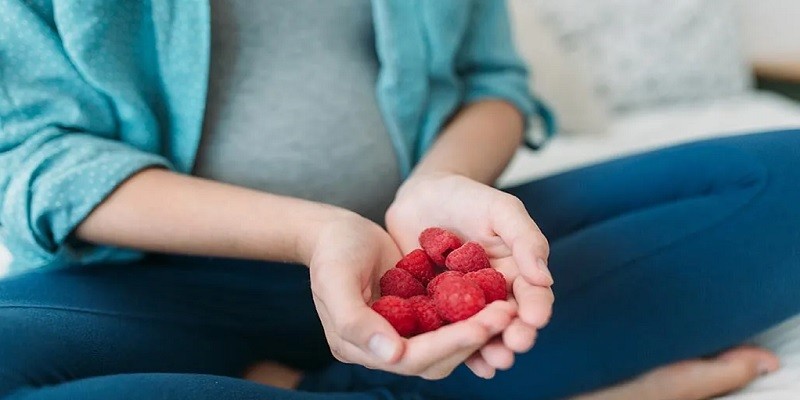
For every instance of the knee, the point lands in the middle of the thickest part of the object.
(30, 355)
(779, 150)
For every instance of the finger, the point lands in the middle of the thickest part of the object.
(508, 267)
(356, 323)
(519, 337)
(480, 367)
(535, 302)
(442, 368)
(343, 351)
(494, 353)
(529, 247)
(405, 243)
(501, 315)
(497, 355)
(434, 352)
(351, 354)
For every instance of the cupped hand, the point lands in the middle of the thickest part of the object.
(349, 256)
(501, 224)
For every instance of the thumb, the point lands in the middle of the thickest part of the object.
(371, 333)
(356, 324)
(404, 241)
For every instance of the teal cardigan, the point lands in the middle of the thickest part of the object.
(93, 91)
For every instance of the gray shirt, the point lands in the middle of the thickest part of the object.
(291, 106)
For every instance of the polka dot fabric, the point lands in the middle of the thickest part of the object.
(84, 105)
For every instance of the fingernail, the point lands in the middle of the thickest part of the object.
(382, 347)
(542, 265)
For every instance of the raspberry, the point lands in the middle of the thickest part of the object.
(435, 281)
(438, 243)
(398, 312)
(457, 299)
(491, 282)
(399, 282)
(419, 265)
(467, 258)
(427, 317)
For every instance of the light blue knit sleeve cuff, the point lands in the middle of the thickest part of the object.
(540, 123)
(54, 187)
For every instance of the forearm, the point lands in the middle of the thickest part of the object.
(478, 143)
(158, 210)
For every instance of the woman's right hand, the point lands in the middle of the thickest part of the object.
(348, 257)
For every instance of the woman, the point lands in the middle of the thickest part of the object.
(281, 133)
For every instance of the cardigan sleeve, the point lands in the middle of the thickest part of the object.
(489, 66)
(59, 150)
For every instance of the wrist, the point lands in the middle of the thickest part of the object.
(420, 178)
(424, 190)
(314, 222)
(478, 143)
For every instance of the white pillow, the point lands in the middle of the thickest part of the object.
(564, 84)
(601, 57)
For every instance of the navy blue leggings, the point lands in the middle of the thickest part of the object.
(658, 257)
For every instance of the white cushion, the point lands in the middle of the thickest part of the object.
(562, 82)
(654, 128)
(593, 59)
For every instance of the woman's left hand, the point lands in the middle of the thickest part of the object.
(502, 225)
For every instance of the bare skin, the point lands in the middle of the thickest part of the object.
(473, 150)
(197, 216)
(687, 380)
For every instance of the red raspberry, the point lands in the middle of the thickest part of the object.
(419, 265)
(435, 281)
(438, 243)
(491, 281)
(427, 317)
(398, 312)
(467, 258)
(457, 299)
(399, 282)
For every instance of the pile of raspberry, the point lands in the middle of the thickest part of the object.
(445, 281)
